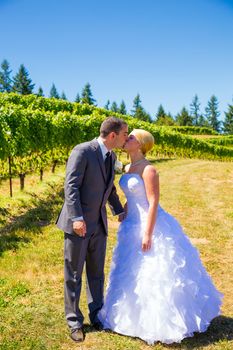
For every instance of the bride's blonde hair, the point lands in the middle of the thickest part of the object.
(145, 138)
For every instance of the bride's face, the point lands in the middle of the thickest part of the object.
(132, 144)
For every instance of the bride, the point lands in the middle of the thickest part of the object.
(158, 289)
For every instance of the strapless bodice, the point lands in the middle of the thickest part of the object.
(134, 189)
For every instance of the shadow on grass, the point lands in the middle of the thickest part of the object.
(161, 160)
(3, 213)
(43, 212)
(220, 329)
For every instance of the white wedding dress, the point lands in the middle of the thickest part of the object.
(164, 294)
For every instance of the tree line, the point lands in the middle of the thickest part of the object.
(22, 83)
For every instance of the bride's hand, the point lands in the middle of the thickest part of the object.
(121, 217)
(146, 242)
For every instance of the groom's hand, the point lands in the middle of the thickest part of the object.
(80, 228)
(121, 217)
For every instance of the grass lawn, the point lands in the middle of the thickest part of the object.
(198, 193)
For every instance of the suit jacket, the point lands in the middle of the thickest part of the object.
(87, 190)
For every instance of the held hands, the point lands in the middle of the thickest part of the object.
(121, 217)
(146, 242)
(80, 228)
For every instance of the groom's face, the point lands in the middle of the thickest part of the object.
(121, 137)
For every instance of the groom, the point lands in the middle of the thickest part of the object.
(88, 186)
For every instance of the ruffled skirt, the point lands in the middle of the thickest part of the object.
(162, 295)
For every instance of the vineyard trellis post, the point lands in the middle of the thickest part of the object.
(10, 176)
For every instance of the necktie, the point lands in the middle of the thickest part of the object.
(107, 164)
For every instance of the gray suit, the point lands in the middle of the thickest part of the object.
(86, 194)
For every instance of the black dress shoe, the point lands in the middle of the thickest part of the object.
(98, 326)
(77, 335)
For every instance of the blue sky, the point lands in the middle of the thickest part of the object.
(165, 50)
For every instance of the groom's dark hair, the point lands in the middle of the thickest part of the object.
(111, 124)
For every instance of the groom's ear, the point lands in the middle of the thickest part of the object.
(112, 135)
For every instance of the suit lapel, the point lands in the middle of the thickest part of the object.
(97, 149)
(112, 173)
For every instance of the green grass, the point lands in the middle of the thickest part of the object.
(198, 193)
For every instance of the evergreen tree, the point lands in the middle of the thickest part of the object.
(195, 110)
(202, 121)
(160, 115)
(212, 113)
(63, 96)
(228, 121)
(164, 119)
(87, 95)
(122, 108)
(107, 105)
(77, 98)
(5, 79)
(114, 107)
(170, 120)
(22, 84)
(40, 91)
(142, 114)
(138, 111)
(53, 92)
(136, 104)
(161, 112)
(183, 118)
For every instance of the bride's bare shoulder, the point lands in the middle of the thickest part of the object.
(149, 171)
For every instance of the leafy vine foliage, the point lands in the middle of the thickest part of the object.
(36, 131)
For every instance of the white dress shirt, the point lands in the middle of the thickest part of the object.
(103, 148)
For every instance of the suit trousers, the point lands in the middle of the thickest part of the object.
(77, 251)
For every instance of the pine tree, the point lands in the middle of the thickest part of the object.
(122, 108)
(114, 107)
(22, 84)
(40, 91)
(169, 120)
(195, 110)
(53, 92)
(77, 98)
(138, 111)
(136, 104)
(63, 96)
(5, 79)
(228, 121)
(202, 121)
(142, 114)
(87, 95)
(164, 119)
(160, 115)
(212, 113)
(107, 105)
(183, 118)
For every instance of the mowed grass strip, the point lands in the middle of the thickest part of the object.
(198, 193)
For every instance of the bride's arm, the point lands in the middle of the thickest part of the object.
(151, 180)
